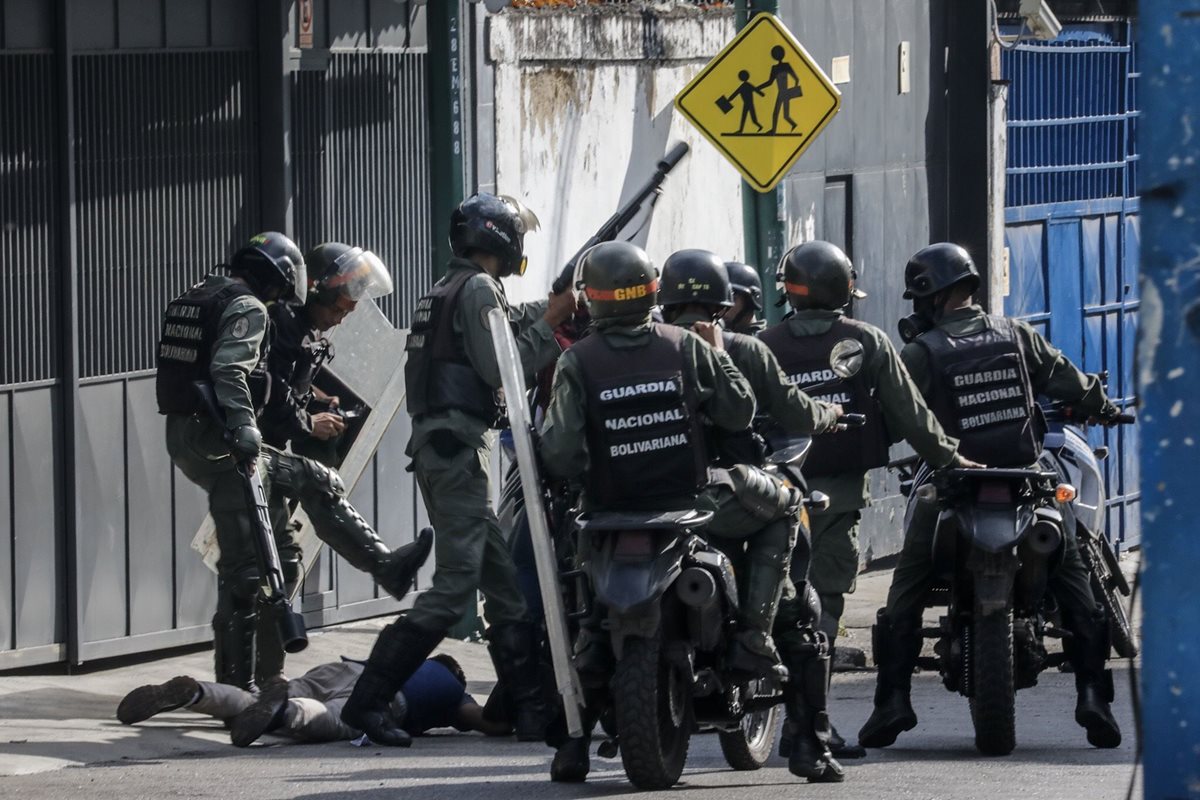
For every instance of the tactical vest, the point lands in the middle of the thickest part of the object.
(295, 337)
(438, 374)
(190, 328)
(805, 362)
(730, 448)
(983, 394)
(643, 429)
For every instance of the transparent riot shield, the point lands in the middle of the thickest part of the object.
(511, 374)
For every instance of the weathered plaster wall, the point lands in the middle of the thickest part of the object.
(583, 111)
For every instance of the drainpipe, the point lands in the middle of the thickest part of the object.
(446, 156)
(762, 214)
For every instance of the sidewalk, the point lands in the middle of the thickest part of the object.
(48, 722)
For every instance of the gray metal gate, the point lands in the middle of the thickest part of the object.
(32, 611)
(361, 175)
(157, 117)
(166, 182)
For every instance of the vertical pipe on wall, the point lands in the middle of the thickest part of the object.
(1168, 364)
(761, 218)
(274, 99)
(445, 121)
(968, 142)
(68, 317)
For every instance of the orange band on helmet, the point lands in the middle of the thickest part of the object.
(622, 294)
(796, 288)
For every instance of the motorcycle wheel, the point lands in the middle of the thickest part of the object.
(749, 747)
(1108, 592)
(993, 707)
(653, 703)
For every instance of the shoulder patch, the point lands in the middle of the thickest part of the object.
(240, 327)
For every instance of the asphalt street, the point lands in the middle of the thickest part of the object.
(59, 739)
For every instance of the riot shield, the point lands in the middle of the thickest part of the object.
(511, 374)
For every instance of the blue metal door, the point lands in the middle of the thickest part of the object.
(1072, 219)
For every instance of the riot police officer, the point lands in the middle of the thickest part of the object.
(218, 332)
(636, 369)
(948, 335)
(818, 280)
(742, 316)
(453, 396)
(754, 513)
(298, 412)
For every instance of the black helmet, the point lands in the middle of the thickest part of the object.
(273, 267)
(340, 272)
(744, 279)
(818, 275)
(695, 276)
(618, 280)
(495, 224)
(937, 267)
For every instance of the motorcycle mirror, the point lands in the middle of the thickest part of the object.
(846, 358)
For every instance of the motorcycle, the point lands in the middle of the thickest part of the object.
(670, 602)
(1068, 452)
(999, 534)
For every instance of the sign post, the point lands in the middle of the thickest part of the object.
(761, 101)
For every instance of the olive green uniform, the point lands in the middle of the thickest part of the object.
(835, 549)
(763, 569)
(451, 452)
(724, 396)
(1050, 374)
(197, 446)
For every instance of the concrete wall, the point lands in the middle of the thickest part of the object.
(583, 111)
(875, 181)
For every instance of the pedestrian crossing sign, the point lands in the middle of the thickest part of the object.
(761, 101)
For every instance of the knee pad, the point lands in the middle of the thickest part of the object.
(764, 496)
(303, 478)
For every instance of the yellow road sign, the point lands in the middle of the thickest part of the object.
(761, 101)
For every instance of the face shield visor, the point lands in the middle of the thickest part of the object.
(526, 221)
(299, 289)
(357, 275)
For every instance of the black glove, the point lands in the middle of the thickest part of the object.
(245, 442)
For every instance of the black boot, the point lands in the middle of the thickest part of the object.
(269, 654)
(398, 652)
(808, 755)
(146, 701)
(398, 569)
(233, 646)
(513, 649)
(265, 715)
(573, 760)
(897, 646)
(1088, 650)
(1094, 713)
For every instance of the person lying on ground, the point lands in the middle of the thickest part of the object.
(308, 708)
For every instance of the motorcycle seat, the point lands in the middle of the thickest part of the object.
(643, 520)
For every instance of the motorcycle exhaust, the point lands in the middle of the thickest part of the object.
(1045, 535)
(696, 587)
